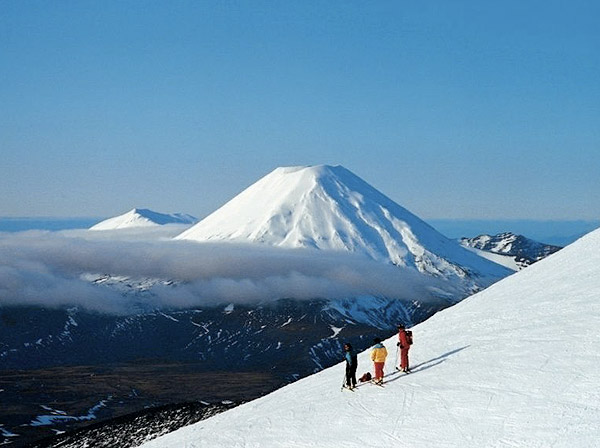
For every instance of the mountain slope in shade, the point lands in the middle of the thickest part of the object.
(330, 208)
(141, 217)
(514, 365)
(523, 251)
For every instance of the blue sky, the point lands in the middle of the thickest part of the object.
(456, 110)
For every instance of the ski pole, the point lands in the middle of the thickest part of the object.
(397, 350)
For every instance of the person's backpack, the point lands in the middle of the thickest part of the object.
(366, 377)
(409, 337)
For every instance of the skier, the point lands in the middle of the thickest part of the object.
(351, 365)
(378, 355)
(404, 342)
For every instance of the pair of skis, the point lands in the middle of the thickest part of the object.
(346, 387)
(354, 388)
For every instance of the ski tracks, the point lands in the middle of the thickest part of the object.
(359, 406)
(408, 398)
(457, 424)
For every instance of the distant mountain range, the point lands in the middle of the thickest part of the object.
(557, 233)
(554, 232)
(521, 251)
(322, 207)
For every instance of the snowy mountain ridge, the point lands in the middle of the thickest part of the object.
(330, 208)
(141, 217)
(520, 250)
(514, 365)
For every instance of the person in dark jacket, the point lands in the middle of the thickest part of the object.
(351, 365)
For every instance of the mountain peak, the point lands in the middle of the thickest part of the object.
(316, 169)
(296, 206)
(317, 172)
(330, 208)
(143, 217)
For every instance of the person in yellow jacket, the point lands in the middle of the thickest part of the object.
(378, 355)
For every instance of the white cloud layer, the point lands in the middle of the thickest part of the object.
(48, 269)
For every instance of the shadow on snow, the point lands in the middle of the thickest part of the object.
(426, 364)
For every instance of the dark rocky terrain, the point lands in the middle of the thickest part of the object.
(134, 429)
(37, 404)
(62, 370)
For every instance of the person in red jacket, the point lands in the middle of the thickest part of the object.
(404, 341)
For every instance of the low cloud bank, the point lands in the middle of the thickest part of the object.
(49, 269)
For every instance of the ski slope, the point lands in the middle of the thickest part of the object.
(515, 365)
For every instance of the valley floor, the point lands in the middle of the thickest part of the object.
(44, 402)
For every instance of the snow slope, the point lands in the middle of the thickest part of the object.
(330, 208)
(141, 217)
(515, 365)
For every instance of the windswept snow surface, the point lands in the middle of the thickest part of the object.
(141, 217)
(330, 208)
(515, 365)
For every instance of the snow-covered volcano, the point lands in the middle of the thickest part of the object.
(514, 365)
(330, 208)
(141, 217)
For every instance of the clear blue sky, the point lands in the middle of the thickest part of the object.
(454, 109)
